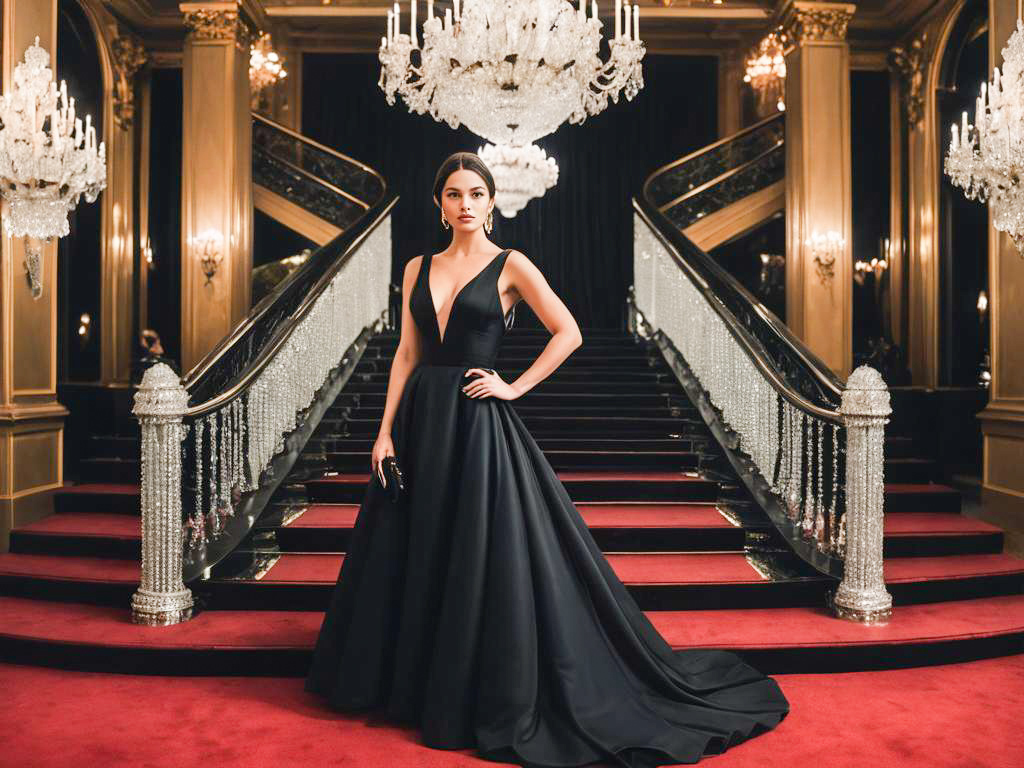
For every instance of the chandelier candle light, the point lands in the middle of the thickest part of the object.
(512, 71)
(987, 159)
(49, 159)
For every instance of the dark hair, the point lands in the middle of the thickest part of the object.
(469, 161)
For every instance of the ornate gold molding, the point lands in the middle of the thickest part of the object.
(207, 24)
(806, 22)
(128, 57)
(910, 62)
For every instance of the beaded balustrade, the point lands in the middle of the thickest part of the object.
(227, 447)
(832, 495)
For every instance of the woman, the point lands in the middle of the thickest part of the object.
(478, 607)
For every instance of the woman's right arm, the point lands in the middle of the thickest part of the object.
(407, 357)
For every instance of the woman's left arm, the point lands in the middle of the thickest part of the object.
(532, 286)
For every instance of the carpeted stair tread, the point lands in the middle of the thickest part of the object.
(907, 569)
(78, 623)
(631, 568)
(57, 567)
(98, 524)
(752, 628)
(815, 627)
(935, 524)
(127, 489)
(668, 515)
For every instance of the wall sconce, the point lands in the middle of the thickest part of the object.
(147, 254)
(825, 249)
(208, 246)
(84, 328)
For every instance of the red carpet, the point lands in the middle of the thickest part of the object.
(956, 716)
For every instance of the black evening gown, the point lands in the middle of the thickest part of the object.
(480, 610)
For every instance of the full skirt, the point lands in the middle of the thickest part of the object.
(480, 610)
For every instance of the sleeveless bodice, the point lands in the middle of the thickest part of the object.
(475, 326)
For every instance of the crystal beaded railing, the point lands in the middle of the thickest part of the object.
(760, 145)
(209, 441)
(808, 447)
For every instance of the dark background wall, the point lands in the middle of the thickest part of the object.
(164, 294)
(78, 254)
(870, 143)
(580, 234)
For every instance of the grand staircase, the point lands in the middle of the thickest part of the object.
(648, 478)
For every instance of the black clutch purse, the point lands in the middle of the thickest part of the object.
(393, 475)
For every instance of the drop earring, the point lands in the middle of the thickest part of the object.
(444, 220)
(489, 221)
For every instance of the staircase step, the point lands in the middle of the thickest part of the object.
(547, 387)
(615, 527)
(558, 400)
(910, 470)
(695, 443)
(581, 485)
(94, 534)
(775, 641)
(110, 470)
(554, 425)
(921, 497)
(666, 581)
(353, 461)
(100, 580)
(117, 498)
(113, 446)
(912, 534)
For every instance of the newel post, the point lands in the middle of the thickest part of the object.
(160, 403)
(865, 407)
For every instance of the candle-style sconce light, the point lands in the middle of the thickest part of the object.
(147, 254)
(825, 250)
(84, 329)
(209, 248)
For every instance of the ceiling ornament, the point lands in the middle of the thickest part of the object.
(817, 22)
(511, 71)
(520, 174)
(910, 62)
(129, 57)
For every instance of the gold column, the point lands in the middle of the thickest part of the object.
(216, 172)
(1003, 420)
(31, 419)
(818, 178)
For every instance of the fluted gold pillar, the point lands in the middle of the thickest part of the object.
(216, 172)
(731, 66)
(1003, 419)
(31, 419)
(819, 281)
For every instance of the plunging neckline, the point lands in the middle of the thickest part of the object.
(430, 295)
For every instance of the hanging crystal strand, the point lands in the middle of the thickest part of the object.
(222, 480)
(244, 452)
(807, 523)
(198, 524)
(832, 522)
(819, 504)
(214, 522)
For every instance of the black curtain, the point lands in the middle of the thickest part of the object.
(164, 281)
(870, 149)
(580, 234)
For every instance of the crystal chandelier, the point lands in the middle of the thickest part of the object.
(520, 174)
(766, 72)
(48, 158)
(511, 70)
(987, 159)
(265, 66)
